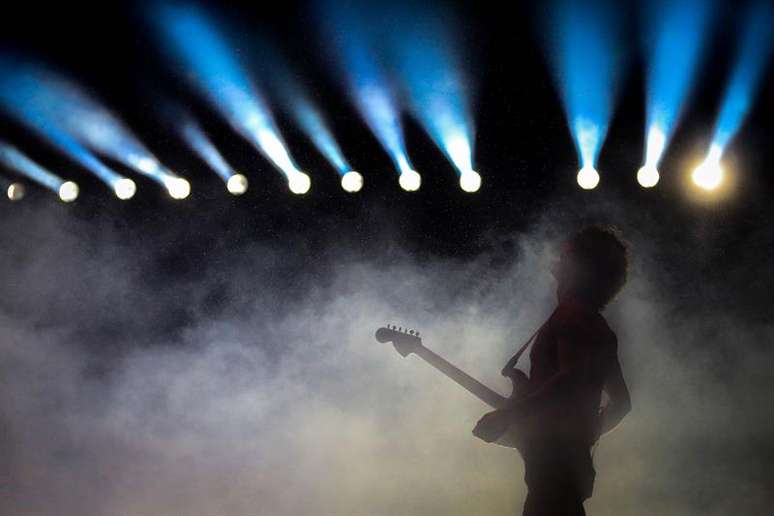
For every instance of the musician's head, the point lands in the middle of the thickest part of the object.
(592, 266)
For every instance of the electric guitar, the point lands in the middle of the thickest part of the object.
(407, 342)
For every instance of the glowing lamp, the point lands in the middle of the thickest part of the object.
(299, 183)
(470, 181)
(648, 176)
(68, 191)
(352, 181)
(124, 188)
(237, 184)
(410, 180)
(177, 187)
(708, 175)
(15, 192)
(588, 178)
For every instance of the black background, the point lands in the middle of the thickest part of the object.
(523, 148)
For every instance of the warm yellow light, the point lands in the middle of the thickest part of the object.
(708, 175)
(237, 184)
(588, 178)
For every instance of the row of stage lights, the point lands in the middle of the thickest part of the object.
(430, 86)
(708, 176)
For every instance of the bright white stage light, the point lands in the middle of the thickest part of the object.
(124, 188)
(588, 178)
(237, 184)
(68, 191)
(352, 181)
(470, 181)
(410, 180)
(15, 192)
(299, 183)
(177, 187)
(708, 175)
(648, 176)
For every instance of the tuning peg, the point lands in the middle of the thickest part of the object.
(411, 332)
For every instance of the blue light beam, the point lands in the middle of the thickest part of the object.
(753, 53)
(28, 97)
(203, 52)
(369, 88)
(675, 39)
(14, 160)
(203, 147)
(297, 102)
(432, 78)
(95, 126)
(583, 49)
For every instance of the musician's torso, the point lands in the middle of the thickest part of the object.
(572, 413)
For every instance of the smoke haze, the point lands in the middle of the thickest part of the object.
(137, 385)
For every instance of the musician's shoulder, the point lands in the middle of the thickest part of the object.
(581, 322)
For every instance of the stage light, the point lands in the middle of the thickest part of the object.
(367, 84)
(584, 49)
(709, 175)
(12, 158)
(299, 183)
(352, 181)
(237, 184)
(648, 176)
(52, 107)
(216, 70)
(752, 56)
(15, 192)
(588, 178)
(68, 191)
(410, 180)
(431, 73)
(675, 32)
(470, 181)
(198, 141)
(124, 188)
(177, 187)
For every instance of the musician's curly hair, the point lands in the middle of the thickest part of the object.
(603, 256)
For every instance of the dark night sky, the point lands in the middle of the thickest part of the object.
(710, 260)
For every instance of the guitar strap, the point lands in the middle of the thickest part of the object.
(515, 359)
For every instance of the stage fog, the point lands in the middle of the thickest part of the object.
(135, 383)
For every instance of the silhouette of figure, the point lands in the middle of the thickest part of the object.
(574, 360)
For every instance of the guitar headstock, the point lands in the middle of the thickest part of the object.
(405, 341)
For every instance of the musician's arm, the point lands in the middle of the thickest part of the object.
(574, 362)
(620, 403)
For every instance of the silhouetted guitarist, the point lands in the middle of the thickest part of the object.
(573, 360)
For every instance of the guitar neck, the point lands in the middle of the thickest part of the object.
(473, 386)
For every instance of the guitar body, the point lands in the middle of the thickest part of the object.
(407, 342)
(512, 438)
